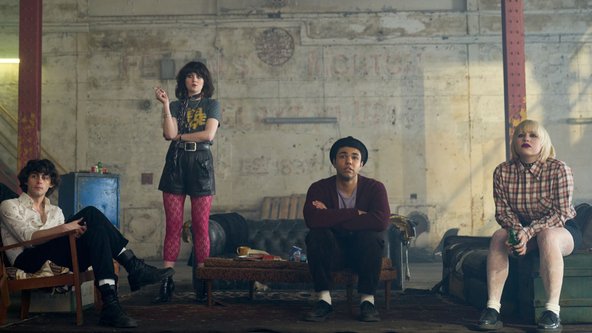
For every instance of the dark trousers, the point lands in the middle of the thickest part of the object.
(96, 247)
(330, 250)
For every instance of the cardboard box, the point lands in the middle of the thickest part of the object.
(46, 302)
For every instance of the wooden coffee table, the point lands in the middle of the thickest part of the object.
(283, 271)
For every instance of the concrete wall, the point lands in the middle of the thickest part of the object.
(420, 82)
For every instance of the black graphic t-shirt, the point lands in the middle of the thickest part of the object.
(197, 114)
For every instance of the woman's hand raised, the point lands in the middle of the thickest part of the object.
(161, 96)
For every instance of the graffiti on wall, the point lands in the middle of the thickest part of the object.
(362, 65)
(318, 64)
(264, 166)
(360, 113)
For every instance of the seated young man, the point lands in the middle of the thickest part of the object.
(98, 242)
(345, 214)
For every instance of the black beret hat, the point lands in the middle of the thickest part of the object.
(349, 142)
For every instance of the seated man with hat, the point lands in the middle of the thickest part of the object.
(345, 214)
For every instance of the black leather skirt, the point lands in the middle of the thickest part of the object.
(189, 172)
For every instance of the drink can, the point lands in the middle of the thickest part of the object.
(93, 169)
(295, 254)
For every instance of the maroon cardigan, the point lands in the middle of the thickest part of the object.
(371, 198)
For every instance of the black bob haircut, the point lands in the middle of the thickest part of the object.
(42, 167)
(348, 142)
(202, 71)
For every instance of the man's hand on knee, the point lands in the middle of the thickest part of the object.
(77, 225)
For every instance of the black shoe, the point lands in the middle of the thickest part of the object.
(368, 312)
(549, 322)
(490, 320)
(320, 312)
(166, 290)
(201, 291)
(140, 274)
(112, 313)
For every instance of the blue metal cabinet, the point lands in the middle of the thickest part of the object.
(82, 189)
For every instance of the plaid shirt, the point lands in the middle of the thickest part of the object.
(540, 195)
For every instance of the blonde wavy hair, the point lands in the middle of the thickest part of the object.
(547, 149)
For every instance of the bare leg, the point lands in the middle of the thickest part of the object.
(497, 265)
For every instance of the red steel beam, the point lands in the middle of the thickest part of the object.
(514, 70)
(29, 97)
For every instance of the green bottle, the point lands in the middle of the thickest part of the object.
(99, 168)
(513, 239)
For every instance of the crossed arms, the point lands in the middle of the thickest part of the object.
(372, 212)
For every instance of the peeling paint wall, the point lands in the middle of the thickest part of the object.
(420, 82)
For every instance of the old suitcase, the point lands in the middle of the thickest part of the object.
(465, 271)
(576, 293)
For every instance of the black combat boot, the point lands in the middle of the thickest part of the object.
(140, 274)
(166, 290)
(201, 291)
(112, 313)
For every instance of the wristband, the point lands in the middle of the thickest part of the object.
(167, 115)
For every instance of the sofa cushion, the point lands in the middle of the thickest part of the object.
(583, 218)
(277, 237)
(6, 193)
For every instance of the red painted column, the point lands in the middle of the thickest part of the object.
(29, 97)
(514, 70)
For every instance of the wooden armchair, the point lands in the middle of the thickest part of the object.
(25, 285)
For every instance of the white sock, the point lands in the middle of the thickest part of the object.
(553, 307)
(366, 297)
(122, 250)
(107, 281)
(325, 295)
(494, 305)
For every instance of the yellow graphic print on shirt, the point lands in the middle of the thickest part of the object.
(195, 117)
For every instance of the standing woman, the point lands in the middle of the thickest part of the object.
(533, 193)
(190, 123)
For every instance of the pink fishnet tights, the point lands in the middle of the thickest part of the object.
(200, 214)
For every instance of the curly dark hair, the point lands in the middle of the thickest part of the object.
(42, 167)
(201, 70)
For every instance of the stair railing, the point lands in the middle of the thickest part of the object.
(14, 150)
(47, 154)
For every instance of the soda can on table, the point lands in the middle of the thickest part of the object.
(93, 169)
(295, 254)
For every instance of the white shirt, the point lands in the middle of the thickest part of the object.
(20, 221)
